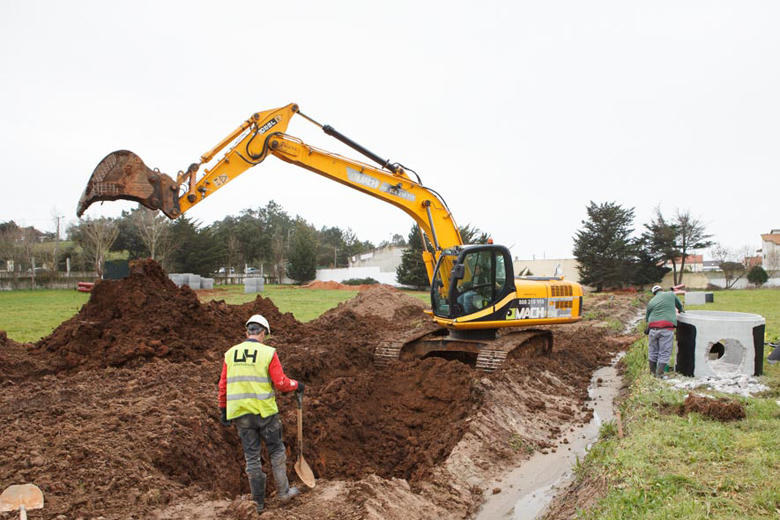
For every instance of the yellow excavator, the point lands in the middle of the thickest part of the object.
(481, 310)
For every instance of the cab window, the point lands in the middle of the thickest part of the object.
(475, 290)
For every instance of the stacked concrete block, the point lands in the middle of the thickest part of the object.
(698, 298)
(206, 283)
(253, 285)
(176, 278)
(720, 344)
(192, 281)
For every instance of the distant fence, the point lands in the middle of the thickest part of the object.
(45, 280)
(716, 280)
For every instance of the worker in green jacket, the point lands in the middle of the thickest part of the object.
(661, 319)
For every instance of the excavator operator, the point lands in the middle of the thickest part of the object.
(250, 373)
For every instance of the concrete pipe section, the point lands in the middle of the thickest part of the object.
(718, 344)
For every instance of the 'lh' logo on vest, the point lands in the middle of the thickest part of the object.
(242, 359)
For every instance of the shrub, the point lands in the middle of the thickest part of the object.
(360, 281)
(757, 276)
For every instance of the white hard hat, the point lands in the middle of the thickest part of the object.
(654, 290)
(260, 320)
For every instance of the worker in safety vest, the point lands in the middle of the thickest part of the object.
(250, 373)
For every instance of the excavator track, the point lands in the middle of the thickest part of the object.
(480, 350)
(386, 352)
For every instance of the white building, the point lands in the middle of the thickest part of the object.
(770, 250)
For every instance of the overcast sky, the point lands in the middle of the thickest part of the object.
(519, 113)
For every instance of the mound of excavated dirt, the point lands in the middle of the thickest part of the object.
(330, 284)
(114, 414)
(721, 409)
(146, 316)
(382, 301)
(139, 427)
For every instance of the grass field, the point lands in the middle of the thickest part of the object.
(30, 315)
(691, 467)
(304, 304)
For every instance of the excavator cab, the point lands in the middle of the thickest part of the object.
(470, 281)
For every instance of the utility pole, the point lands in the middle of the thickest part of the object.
(56, 244)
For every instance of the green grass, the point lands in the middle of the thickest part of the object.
(304, 304)
(30, 315)
(691, 467)
(27, 316)
(765, 302)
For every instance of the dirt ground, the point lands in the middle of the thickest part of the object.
(114, 415)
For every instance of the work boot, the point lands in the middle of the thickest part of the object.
(257, 487)
(652, 367)
(292, 492)
(660, 370)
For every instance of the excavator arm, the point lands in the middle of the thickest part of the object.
(123, 175)
(474, 292)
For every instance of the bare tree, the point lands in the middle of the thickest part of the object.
(10, 237)
(54, 250)
(154, 230)
(29, 239)
(730, 263)
(720, 253)
(96, 238)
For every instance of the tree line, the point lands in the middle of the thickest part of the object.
(611, 254)
(268, 236)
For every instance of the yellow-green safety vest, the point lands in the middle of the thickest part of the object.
(249, 388)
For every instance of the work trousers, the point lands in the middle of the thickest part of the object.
(253, 430)
(659, 345)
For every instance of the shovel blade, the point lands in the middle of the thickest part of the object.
(18, 495)
(123, 175)
(304, 472)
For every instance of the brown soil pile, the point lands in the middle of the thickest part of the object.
(139, 427)
(330, 284)
(115, 414)
(146, 316)
(721, 409)
(382, 301)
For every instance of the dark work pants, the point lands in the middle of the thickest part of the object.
(253, 430)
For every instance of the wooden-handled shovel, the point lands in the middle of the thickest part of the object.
(301, 467)
(21, 498)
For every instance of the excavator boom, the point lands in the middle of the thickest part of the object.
(474, 292)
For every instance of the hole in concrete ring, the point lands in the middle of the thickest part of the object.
(726, 355)
(716, 351)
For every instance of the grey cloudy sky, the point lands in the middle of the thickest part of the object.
(518, 113)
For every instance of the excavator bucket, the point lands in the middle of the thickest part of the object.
(123, 175)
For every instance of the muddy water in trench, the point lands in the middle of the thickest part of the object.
(527, 490)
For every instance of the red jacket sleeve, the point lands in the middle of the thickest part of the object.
(281, 382)
(223, 387)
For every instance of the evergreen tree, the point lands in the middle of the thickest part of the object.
(302, 264)
(603, 247)
(196, 250)
(647, 267)
(412, 271)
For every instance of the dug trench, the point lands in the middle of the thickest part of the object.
(114, 414)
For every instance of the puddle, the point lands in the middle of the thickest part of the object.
(527, 490)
